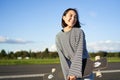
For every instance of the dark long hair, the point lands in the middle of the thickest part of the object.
(77, 22)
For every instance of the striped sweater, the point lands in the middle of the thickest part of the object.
(71, 47)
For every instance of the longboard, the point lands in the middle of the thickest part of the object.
(90, 66)
(97, 65)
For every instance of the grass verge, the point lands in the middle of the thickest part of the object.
(113, 59)
(29, 61)
(42, 61)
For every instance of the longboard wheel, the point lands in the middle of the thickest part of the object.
(97, 57)
(98, 74)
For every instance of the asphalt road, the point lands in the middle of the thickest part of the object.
(36, 72)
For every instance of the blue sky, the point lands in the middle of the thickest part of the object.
(33, 24)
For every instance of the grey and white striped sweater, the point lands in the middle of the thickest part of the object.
(71, 47)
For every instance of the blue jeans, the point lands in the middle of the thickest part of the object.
(91, 77)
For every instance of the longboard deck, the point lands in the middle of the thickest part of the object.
(103, 65)
(94, 65)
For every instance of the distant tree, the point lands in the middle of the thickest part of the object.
(111, 54)
(102, 53)
(45, 53)
(53, 54)
(11, 55)
(38, 54)
(3, 54)
(18, 54)
(117, 54)
(33, 55)
(24, 54)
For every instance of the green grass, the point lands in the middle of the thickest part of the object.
(42, 61)
(113, 59)
(29, 61)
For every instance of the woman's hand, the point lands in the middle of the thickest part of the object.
(71, 77)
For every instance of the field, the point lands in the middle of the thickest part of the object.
(28, 61)
(41, 61)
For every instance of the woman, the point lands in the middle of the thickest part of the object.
(71, 46)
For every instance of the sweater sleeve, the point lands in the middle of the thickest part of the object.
(76, 66)
(64, 65)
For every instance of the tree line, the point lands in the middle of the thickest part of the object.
(14, 55)
(47, 54)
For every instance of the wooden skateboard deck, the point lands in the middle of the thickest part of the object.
(96, 65)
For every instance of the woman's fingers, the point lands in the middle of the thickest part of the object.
(71, 78)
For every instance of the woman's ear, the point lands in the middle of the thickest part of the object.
(63, 18)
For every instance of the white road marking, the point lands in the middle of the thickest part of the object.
(22, 76)
(108, 71)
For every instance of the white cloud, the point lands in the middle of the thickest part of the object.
(107, 45)
(13, 41)
(2, 39)
(53, 48)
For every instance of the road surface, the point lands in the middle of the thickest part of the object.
(36, 72)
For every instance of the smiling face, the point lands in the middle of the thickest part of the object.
(70, 18)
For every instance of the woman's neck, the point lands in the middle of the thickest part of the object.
(68, 28)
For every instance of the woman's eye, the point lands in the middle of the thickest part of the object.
(75, 16)
(70, 15)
